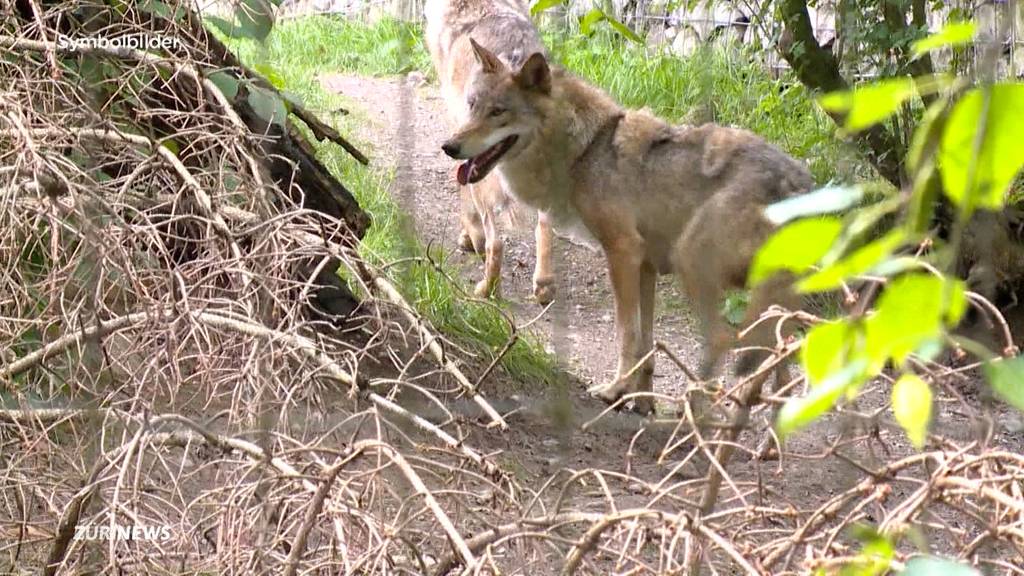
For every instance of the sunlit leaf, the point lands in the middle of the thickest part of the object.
(1007, 380)
(825, 200)
(952, 34)
(912, 309)
(797, 413)
(912, 407)
(875, 555)
(825, 350)
(927, 134)
(983, 181)
(591, 18)
(795, 247)
(271, 74)
(542, 5)
(868, 105)
(931, 566)
(859, 262)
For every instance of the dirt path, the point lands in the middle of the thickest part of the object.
(425, 187)
(538, 445)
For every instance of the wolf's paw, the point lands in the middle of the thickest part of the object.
(607, 393)
(544, 290)
(485, 289)
(643, 405)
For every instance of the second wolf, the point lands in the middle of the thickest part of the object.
(658, 198)
(505, 28)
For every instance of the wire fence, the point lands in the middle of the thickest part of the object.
(683, 30)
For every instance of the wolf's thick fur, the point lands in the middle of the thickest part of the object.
(505, 29)
(658, 198)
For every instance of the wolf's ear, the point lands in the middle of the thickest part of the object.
(535, 74)
(488, 61)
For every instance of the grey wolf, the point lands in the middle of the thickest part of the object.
(658, 198)
(505, 29)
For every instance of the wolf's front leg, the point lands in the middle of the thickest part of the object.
(624, 263)
(543, 275)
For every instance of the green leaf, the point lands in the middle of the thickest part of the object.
(624, 30)
(542, 5)
(797, 413)
(255, 18)
(591, 18)
(875, 555)
(927, 134)
(860, 261)
(291, 99)
(795, 247)
(822, 201)
(870, 104)
(271, 74)
(931, 566)
(171, 145)
(912, 406)
(735, 307)
(1007, 380)
(162, 10)
(912, 309)
(1001, 153)
(952, 34)
(267, 105)
(226, 83)
(825, 350)
(227, 27)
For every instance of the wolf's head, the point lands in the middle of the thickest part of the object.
(503, 117)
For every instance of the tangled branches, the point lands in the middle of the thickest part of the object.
(184, 384)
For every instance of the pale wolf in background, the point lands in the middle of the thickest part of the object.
(505, 29)
(658, 198)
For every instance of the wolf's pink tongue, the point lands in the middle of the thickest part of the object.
(462, 175)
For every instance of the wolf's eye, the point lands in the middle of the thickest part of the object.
(496, 112)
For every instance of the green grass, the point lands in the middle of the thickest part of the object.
(726, 85)
(293, 56)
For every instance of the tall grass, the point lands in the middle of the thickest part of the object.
(292, 57)
(726, 84)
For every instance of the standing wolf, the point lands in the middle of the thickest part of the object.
(658, 198)
(505, 29)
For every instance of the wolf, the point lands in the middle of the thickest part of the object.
(505, 29)
(658, 198)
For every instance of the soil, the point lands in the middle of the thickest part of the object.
(407, 126)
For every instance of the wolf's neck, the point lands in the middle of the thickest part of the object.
(587, 111)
